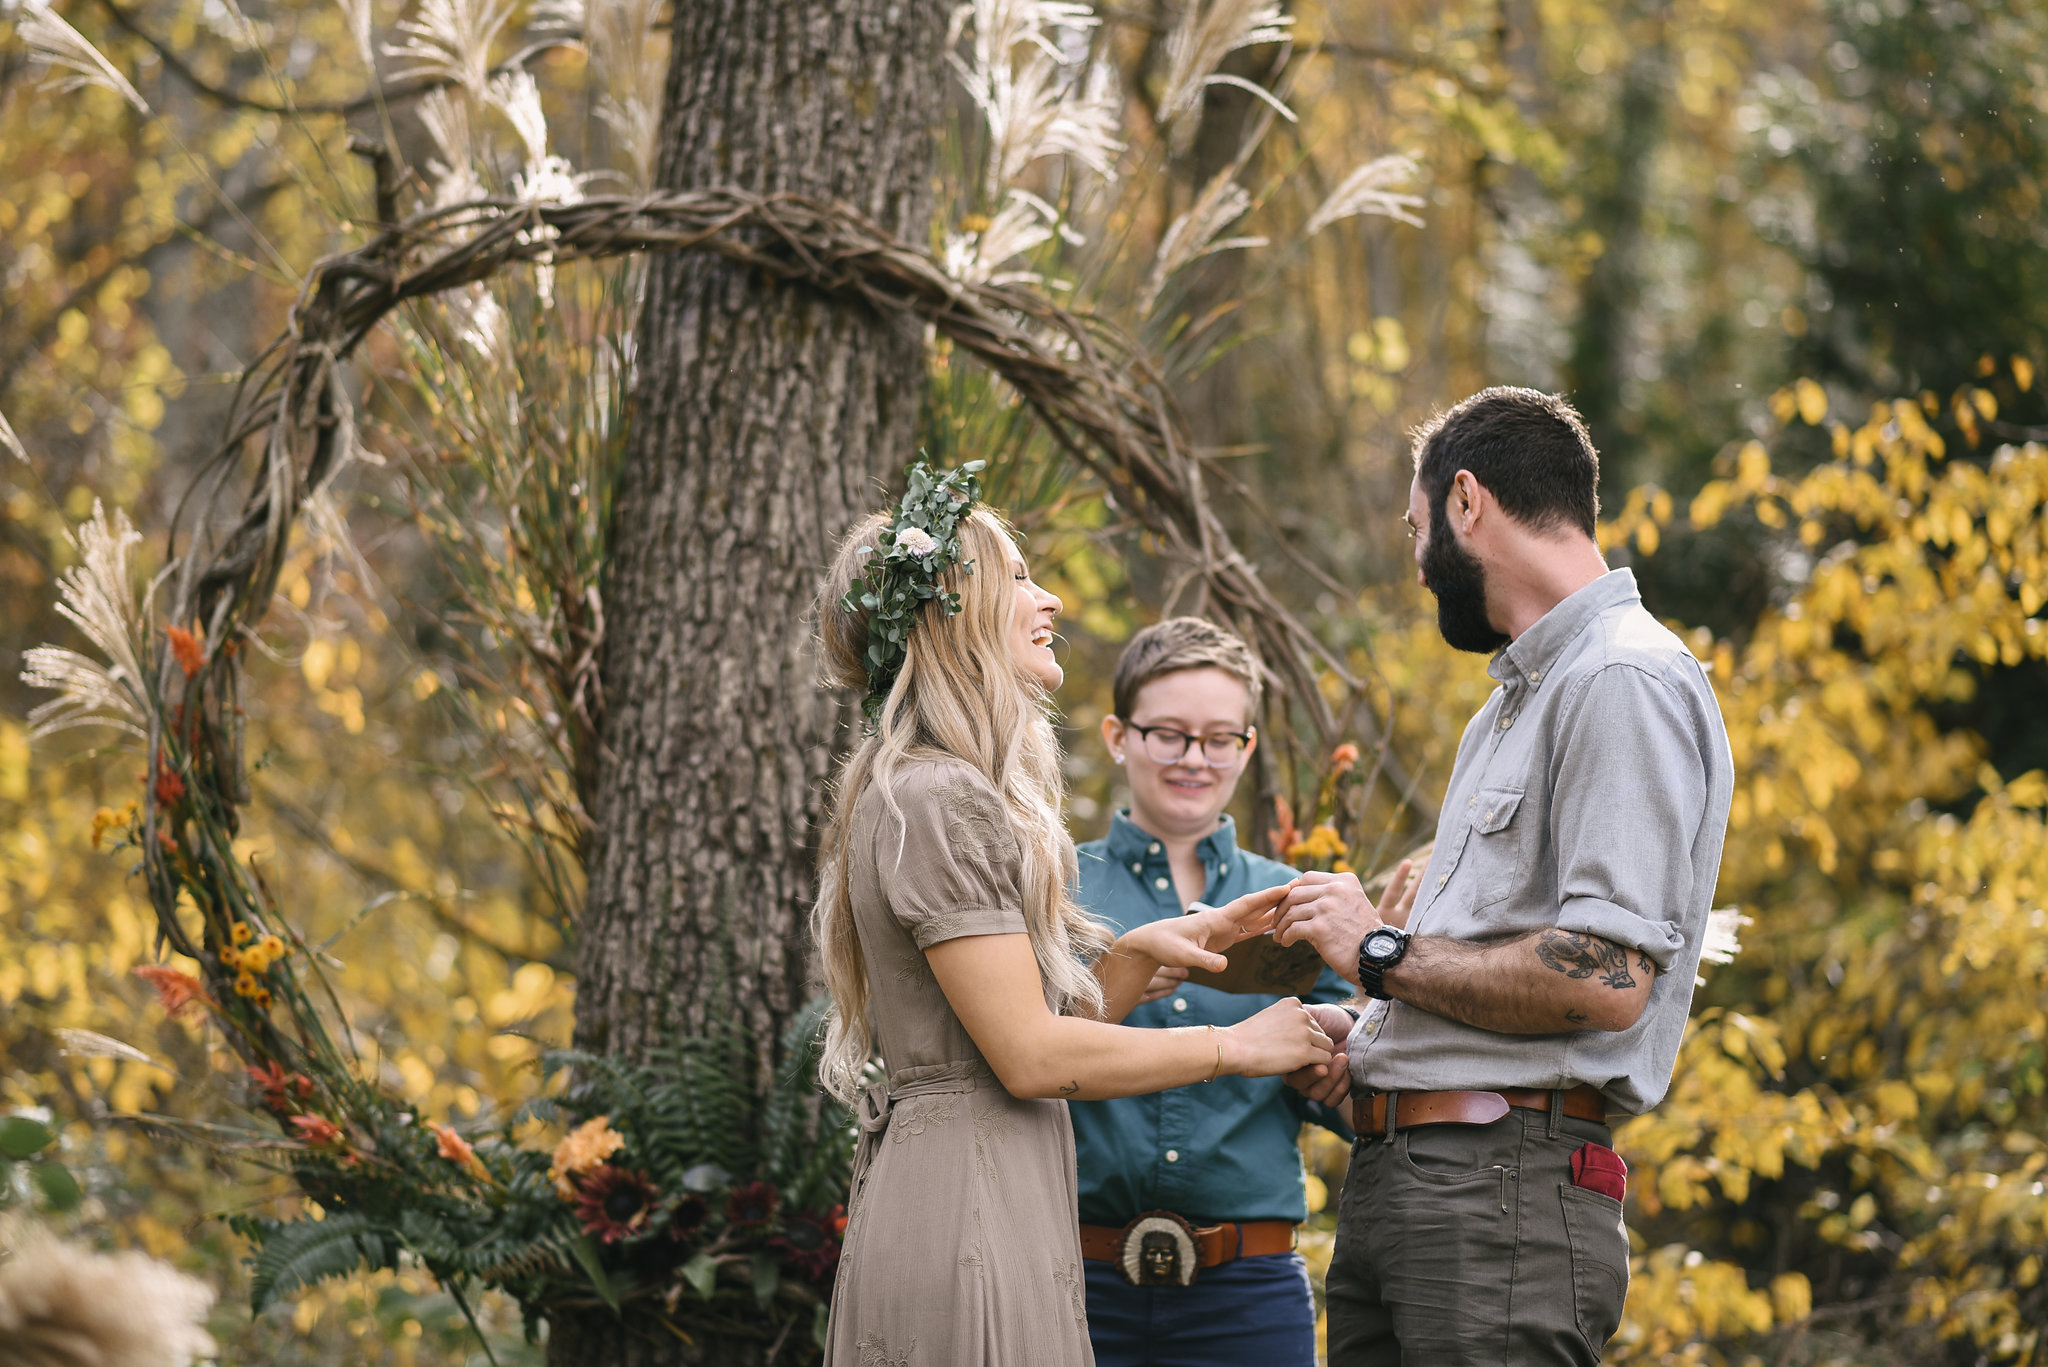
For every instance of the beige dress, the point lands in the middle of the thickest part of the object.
(962, 1248)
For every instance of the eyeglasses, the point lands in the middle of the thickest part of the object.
(1167, 745)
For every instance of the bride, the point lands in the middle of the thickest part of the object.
(954, 951)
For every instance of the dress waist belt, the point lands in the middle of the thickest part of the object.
(879, 1102)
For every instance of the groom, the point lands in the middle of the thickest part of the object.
(1542, 987)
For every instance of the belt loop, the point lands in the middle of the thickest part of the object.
(1391, 1122)
(1556, 1112)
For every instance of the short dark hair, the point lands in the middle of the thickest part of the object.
(1529, 449)
(1181, 643)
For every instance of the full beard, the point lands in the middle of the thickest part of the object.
(1459, 582)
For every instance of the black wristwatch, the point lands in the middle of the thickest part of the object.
(1378, 952)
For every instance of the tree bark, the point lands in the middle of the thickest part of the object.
(765, 421)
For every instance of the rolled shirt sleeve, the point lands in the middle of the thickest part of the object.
(1630, 774)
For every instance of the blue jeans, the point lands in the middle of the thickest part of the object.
(1255, 1312)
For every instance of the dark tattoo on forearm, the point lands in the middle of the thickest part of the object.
(1575, 1017)
(1583, 956)
(1069, 1088)
(1649, 970)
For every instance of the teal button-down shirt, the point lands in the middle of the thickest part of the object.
(1225, 1150)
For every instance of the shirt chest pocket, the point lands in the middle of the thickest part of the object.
(1501, 848)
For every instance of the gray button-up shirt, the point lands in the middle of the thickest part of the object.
(1591, 794)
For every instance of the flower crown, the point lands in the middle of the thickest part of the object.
(903, 569)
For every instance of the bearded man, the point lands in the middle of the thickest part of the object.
(1539, 990)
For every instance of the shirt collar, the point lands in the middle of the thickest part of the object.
(1530, 655)
(1131, 843)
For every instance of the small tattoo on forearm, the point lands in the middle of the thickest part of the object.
(1584, 956)
(1575, 1017)
(1069, 1088)
(1649, 969)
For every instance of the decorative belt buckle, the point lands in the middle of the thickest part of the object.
(1158, 1249)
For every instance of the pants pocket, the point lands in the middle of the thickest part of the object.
(1599, 1244)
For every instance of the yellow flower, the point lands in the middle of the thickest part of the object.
(246, 985)
(586, 1146)
(241, 933)
(1341, 866)
(273, 948)
(231, 957)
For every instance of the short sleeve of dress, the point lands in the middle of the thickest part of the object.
(951, 866)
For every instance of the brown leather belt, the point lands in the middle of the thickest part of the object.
(1161, 1259)
(1369, 1113)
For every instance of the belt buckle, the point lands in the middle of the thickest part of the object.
(1158, 1249)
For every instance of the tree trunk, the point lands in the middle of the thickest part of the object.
(765, 420)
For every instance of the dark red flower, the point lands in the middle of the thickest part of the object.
(807, 1244)
(687, 1218)
(751, 1205)
(169, 787)
(614, 1203)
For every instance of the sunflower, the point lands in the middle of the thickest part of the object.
(751, 1205)
(807, 1245)
(614, 1203)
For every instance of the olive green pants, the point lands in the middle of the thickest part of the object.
(1465, 1244)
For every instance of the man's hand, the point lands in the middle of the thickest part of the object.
(1333, 1086)
(1165, 982)
(1332, 912)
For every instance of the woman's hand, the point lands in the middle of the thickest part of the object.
(1283, 1038)
(1198, 939)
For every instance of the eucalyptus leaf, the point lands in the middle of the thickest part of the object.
(20, 1136)
(701, 1272)
(706, 1177)
(767, 1278)
(584, 1250)
(58, 1186)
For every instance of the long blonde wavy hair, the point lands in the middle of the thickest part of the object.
(959, 696)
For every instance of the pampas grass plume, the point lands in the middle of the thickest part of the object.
(65, 1305)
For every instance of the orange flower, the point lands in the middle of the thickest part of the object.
(586, 1146)
(1343, 758)
(278, 1086)
(189, 649)
(166, 839)
(175, 990)
(455, 1148)
(1285, 835)
(169, 787)
(316, 1129)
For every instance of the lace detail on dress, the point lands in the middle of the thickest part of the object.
(922, 1113)
(991, 1127)
(912, 968)
(977, 823)
(1077, 1295)
(874, 1351)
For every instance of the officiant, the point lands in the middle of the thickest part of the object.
(1189, 1198)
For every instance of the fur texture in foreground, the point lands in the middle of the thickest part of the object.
(65, 1305)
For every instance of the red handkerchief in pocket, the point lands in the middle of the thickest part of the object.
(1599, 1168)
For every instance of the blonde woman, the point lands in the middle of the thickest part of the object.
(953, 949)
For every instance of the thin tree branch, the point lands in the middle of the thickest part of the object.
(178, 67)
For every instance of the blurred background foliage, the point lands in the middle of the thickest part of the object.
(1787, 258)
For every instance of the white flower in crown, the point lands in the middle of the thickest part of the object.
(916, 540)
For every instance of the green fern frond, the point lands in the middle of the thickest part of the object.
(299, 1253)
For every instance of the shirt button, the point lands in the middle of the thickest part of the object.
(1489, 816)
(1180, 1003)
(1223, 869)
(1469, 802)
(1162, 883)
(1537, 677)
(1442, 879)
(1173, 1155)
(1137, 868)
(1152, 848)
(1506, 722)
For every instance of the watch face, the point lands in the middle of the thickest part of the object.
(1381, 943)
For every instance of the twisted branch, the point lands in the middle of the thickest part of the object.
(1085, 379)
